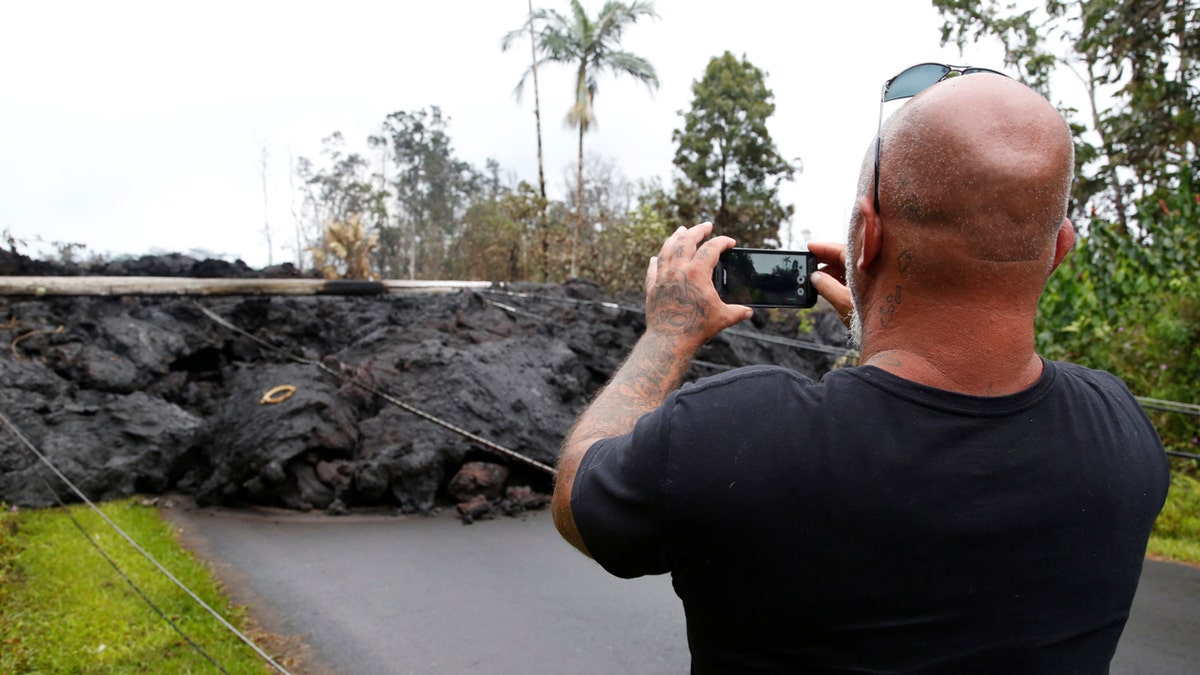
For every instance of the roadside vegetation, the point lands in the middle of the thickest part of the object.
(1127, 299)
(64, 609)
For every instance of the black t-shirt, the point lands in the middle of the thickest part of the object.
(869, 524)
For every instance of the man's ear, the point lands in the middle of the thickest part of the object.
(871, 239)
(1063, 243)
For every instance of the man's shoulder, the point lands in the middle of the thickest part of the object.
(764, 390)
(1091, 378)
(748, 377)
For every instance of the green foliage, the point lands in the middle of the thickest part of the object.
(1177, 530)
(1130, 303)
(1150, 51)
(621, 252)
(500, 238)
(731, 170)
(63, 609)
(9, 572)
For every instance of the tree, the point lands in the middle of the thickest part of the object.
(731, 170)
(593, 47)
(621, 249)
(431, 188)
(262, 167)
(1139, 63)
(505, 43)
(500, 238)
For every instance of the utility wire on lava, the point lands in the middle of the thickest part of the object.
(24, 440)
(761, 337)
(479, 440)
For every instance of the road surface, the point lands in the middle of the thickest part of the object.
(377, 594)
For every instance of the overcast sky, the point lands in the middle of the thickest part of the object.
(136, 127)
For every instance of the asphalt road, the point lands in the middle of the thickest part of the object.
(431, 596)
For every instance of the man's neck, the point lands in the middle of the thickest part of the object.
(980, 353)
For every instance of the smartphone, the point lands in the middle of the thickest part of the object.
(760, 277)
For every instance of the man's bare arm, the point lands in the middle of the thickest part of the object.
(683, 312)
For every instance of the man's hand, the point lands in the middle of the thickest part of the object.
(830, 280)
(683, 312)
(681, 302)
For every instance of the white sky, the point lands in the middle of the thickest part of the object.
(136, 127)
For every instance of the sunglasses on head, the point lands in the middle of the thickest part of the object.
(910, 82)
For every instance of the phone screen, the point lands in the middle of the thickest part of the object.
(766, 278)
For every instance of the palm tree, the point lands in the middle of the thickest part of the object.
(592, 46)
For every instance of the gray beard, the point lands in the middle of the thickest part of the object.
(854, 333)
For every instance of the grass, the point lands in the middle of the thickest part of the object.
(64, 609)
(1176, 533)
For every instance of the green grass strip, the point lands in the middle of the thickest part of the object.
(1177, 531)
(63, 609)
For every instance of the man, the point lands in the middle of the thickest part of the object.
(955, 504)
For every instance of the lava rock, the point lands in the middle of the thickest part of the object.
(478, 479)
(150, 395)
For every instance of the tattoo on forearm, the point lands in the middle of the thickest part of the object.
(653, 370)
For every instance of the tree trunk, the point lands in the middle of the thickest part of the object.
(1110, 168)
(578, 200)
(537, 115)
(266, 208)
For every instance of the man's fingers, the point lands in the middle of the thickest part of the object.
(651, 274)
(829, 252)
(684, 241)
(835, 292)
(832, 257)
(736, 314)
(715, 247)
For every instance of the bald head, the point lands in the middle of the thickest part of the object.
(979, 162)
